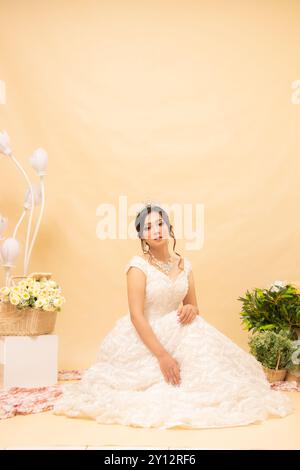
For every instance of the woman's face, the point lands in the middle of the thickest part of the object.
(155, 229)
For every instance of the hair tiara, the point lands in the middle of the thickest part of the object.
(148, 203)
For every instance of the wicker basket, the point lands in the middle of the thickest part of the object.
(26, 321)
(274, 375)
(293, 377)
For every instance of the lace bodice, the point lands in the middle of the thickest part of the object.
(163, 294)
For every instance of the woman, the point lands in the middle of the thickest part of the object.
(162, 365)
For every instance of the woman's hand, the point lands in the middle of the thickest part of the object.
(170, 368)
(187, 313)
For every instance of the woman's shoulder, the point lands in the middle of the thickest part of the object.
(187, 264)
(184, 260)
(137, 261)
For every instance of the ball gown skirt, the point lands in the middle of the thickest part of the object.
(221, 384)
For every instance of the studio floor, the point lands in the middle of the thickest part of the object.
(48, 431)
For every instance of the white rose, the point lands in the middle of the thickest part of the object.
(277, 285)
(14, 299)
(57, 302)
(49, 308)
(25, 296)
(5, 290)
(39, 303)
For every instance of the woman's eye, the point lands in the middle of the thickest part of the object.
(149, 228)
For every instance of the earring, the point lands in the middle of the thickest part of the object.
(143, 245)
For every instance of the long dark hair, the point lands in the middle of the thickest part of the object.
(139, 226)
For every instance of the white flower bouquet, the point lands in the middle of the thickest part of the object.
(40, 293)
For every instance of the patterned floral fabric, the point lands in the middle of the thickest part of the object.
(23, 401)
(72, 374)
(286, 386)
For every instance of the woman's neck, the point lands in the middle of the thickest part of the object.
(162, 254)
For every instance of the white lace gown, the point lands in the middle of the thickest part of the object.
(221, 384)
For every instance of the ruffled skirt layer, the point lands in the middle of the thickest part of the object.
(221, 384)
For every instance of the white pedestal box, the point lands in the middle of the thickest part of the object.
(28, 361)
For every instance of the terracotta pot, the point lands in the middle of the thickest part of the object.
(274, 375)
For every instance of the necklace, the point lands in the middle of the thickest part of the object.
(165, 266)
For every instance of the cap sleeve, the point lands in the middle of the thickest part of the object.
(187, 265)
(137, 262)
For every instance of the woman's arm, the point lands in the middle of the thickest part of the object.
(190, 298)
(188, 311)
(136, 284)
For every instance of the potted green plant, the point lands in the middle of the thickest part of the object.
(274, 351)
(294, 373)
(275, 308)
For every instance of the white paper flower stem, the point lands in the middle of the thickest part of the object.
(6, 275)
(21, 169)
(19, 223)
(38, 223)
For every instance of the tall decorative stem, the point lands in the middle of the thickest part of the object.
(21, 169)
(19, 223)
(38, 223)
(6, 275)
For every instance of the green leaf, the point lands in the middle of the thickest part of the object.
(268, 327)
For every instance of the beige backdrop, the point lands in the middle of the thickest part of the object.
(186, 101)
